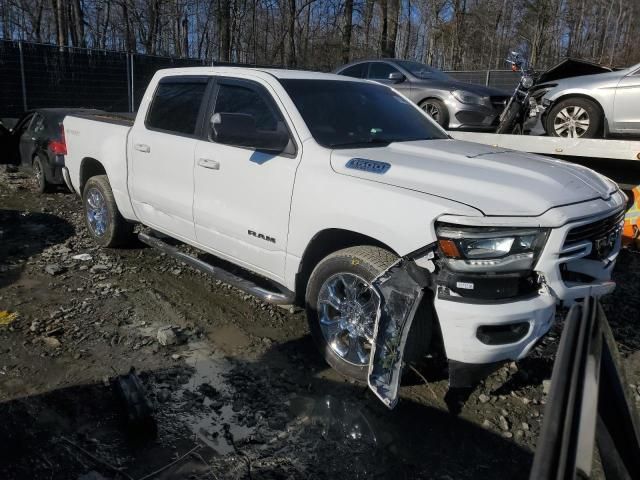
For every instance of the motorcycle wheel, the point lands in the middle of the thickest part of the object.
(510, 120)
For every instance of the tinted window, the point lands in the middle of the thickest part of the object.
(239, 99)
(341, 113)
(421, 70)
(357, 71)
(381, 71)
(38, 124)
(176, 105)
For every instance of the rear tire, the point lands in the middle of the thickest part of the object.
(575, 117)
(39, 176)
(348, 351)
(436, 110)
(104, 222)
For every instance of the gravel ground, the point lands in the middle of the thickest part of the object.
(237, 380)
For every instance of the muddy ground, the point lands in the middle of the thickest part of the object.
(242, 393)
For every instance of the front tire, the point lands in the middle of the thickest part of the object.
(575, 117)
(436, 110)
(104, 222)
(510, 123)
(341, 310)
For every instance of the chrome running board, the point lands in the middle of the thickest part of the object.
(279, 296)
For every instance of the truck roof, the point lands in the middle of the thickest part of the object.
(279, 73)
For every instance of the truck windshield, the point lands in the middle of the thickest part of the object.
(345, 114)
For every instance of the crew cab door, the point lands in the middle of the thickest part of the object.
(626, 110)
(243, 196)
(161, 148)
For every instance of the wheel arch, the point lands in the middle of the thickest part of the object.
(324, 243)
(430, 96)
(90, 167)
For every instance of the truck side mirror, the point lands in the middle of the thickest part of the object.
(396, 77)
(239, 129)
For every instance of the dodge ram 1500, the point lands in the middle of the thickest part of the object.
(342, 195)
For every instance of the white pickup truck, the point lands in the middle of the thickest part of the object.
(326, 188)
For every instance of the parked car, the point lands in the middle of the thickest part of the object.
(450, 102)
(591, 106)
(36, 142)
(342, 196)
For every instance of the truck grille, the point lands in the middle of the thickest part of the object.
(594, 231)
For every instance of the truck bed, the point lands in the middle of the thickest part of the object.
(119, 118)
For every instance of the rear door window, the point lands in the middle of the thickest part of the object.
(38, 124)
(176, 105)
(356, 71)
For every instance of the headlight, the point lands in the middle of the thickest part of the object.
(480, 249)
(527, 81)
(466, 97)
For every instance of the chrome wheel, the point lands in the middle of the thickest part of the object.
(572, 122)
(347, 308)
(433, 111)
(97, 213)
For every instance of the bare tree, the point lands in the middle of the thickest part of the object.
(321, 34)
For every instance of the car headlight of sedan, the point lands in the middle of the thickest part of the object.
(490, 249)
(468, 98)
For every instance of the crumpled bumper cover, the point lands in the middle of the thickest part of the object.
(400, 288)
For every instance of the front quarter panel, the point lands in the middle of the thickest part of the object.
(400, 218)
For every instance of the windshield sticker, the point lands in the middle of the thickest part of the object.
(371, 166)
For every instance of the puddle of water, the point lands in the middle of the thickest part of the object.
(337, 419)
(212, 427)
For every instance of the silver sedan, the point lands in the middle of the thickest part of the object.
(591, 106)
(453, 104)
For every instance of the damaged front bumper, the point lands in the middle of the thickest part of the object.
(480, 334)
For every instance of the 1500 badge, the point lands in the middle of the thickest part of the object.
(371, 166)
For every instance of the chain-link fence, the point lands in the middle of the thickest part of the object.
(33, 75)
(501, 79)
(43, 76)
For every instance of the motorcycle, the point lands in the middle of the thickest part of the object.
(518, 107)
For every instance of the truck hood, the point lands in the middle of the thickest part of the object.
(493, 180)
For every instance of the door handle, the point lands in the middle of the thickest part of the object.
(141, 147)
(209, 163)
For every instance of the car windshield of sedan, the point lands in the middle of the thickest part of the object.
(421, 70)
(346, 114)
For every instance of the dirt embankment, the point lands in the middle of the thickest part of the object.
(237, 379)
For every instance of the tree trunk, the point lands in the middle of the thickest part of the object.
(393, 12)
(384, 40)
(346, 34)
(78, 23)
(224, 30)
(291, 57)
(60, 16)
